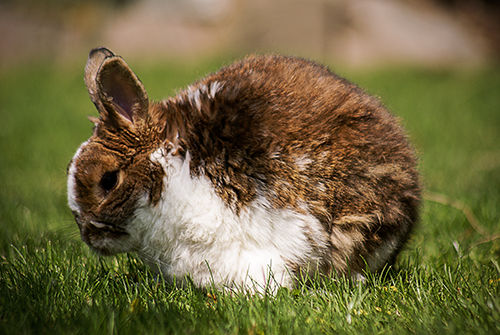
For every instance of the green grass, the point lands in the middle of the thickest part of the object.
(447, 280)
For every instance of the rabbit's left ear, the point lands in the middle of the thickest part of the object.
(114, 88)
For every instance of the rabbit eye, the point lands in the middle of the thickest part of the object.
(109, 180)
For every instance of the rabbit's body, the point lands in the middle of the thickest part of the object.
(271, 164)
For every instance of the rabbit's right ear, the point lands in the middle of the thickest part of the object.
(115, 90)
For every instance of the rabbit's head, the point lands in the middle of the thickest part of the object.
(112, 175)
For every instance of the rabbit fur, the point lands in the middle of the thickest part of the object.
(271, 169)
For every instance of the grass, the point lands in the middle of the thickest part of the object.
(447, 280)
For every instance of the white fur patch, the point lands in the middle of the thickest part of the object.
(73, 205)
(302, 162)
(194, 93)
(192, 232)
(215, 86)
(194, 96)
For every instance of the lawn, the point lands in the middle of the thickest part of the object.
(447, 279)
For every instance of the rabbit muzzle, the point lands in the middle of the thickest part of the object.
(105, 238)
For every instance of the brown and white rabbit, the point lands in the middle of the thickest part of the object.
(273, 166)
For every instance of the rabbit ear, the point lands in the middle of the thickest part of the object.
(115, 90)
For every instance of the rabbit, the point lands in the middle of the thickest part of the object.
(272, 169)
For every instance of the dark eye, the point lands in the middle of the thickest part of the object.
(109, 180)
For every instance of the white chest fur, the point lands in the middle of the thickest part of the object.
(192, 232)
